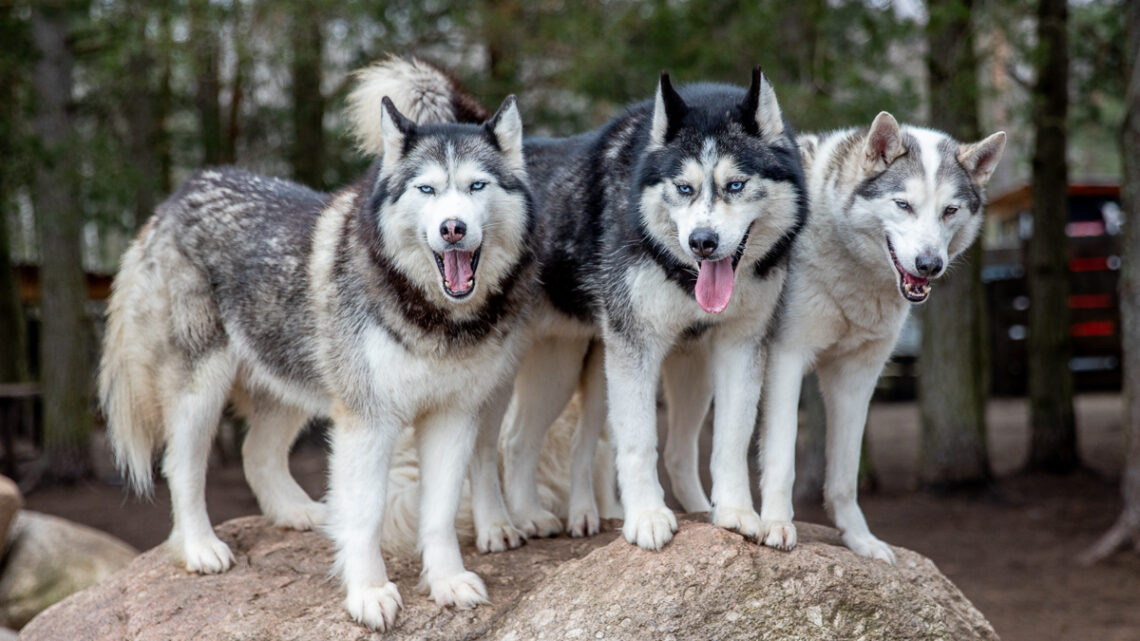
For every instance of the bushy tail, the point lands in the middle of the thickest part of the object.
(127, 389)
(420, 90)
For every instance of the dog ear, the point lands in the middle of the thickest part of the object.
(981, 158)
(884, 143)
(762, 115)
(507, 128)
(668, 110)
(395, 131)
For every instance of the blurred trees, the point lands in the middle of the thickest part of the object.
(13, 347)
(1126, 530)
(1053, 446)
(953, 364)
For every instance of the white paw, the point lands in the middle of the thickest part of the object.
(869, 546)
(538, 523)
(743, 520)
(499, 537)
(464, 590)
(207, 555)
(583, 522)
(302, 517)
(374, 606)
(650, 529)
(778, 534)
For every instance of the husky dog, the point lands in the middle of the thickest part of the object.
(891, 206)
(669, 227)
(393, 302)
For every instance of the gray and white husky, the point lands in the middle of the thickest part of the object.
(666, 230)
(393, 302)
(891, 206)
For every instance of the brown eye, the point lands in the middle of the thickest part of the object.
(949, 211)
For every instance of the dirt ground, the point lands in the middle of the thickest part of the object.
(1010, 548)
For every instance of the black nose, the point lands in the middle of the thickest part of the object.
(453, 230)
(703, 241)
(928, 265)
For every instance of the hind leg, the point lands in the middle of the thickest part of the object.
(494, 531)
(273, 427)
(688, 390)
(545, 382)
(191, 421)
(583, 518)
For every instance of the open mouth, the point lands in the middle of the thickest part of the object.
(457, 268)
(913, 288)
(716, 279)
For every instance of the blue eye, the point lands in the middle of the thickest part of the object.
(735, 186)
(427, 189)
(477, 186)
(903, 205)
(684, 189)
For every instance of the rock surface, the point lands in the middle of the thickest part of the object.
(48, 559)
(707, 584)
(10, 503)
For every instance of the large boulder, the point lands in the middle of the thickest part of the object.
(48, 559)
(707, 584)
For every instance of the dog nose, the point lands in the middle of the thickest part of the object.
(453, 230)
(703, 241)
(928, 265)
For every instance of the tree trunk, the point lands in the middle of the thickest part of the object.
(308, 102)
(1127, 527)
(142, 113)
(164, 99)
(65, 339)
(204, 43)
(952, 364)
(14, 349)
(1053, 446)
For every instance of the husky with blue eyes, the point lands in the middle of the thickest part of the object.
(394, 303)
(665, 233)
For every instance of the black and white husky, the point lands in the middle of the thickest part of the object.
(891, 206)
(391, 303)
(666, 230)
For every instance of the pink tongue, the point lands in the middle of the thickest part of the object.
(714, 285)
(457, 270)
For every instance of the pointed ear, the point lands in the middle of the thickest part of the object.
(981, 158)
(394, 132)
(761, 110)
(506, 126)
(884, 143)
(668, 110)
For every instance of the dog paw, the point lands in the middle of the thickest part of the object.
(744, 520)
(869, 546)
(374, 606)
(464, 590)
(302, 517)
(583, 522)
(499, 537)
(538, 523)
(207, 555)
(778, 534)
(650, 529)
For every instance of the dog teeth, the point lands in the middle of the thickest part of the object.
(470, 282)
(447, 284)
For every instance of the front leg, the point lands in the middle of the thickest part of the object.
(847, 385)
(737, 369)
(494, 531)
(358, 483)
(632, 371)
(446, 439)
(784, 377)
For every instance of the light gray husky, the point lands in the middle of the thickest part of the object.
(391, 303)
(891, 206)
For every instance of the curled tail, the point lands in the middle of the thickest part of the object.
(420, 90)
(127, 389)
